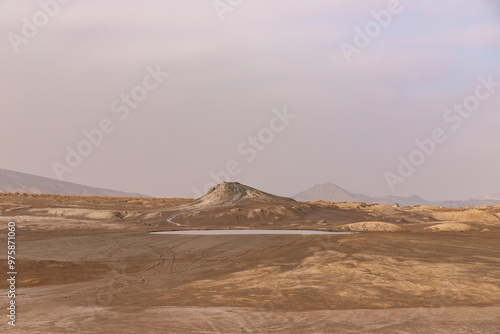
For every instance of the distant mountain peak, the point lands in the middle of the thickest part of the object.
(329, 192)
(333, 193)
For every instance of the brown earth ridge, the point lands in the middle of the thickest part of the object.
(88, 265)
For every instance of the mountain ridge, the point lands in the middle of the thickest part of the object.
(17, 182)
(331, 192)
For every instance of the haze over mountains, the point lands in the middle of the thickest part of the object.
(333, 193)
(492, 197)
(12, 182)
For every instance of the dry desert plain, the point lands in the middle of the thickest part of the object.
(89, 265)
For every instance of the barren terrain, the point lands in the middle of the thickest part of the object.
(88, 265)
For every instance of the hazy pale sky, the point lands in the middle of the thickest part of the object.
(281, 94)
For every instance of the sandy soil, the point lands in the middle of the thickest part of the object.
(88, 265)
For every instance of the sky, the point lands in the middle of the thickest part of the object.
(167, 98)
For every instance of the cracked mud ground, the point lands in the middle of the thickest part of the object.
(87, 265)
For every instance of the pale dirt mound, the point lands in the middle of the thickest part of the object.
(230, 193)
(277, 212)
(351, 205)
(424, 207)
(34, 223)
(213, 205)
(450, 227)
(470, 215)
(79, 213)
(91, 214)
(224, 192)
(233, 192)
(371, 227)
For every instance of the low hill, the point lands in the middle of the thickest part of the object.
(15, 182)
(333, 193)
(330, 192)
(232, 202)
(235, 192)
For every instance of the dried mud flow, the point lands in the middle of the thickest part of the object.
(88, 265)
